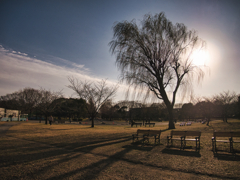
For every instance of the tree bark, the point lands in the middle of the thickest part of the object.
(92, 122)
(171, 124)
(46, 120)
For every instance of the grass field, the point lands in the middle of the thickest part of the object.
(39, 151)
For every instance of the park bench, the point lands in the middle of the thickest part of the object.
(189, 123)
(141, 133)
(155, 134)
(145, 135)
(153, 124)
(184, 136)
(226, 137)
(182, 124)
(136, 124)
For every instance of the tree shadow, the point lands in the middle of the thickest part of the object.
(90, 145)
(140, 148)
(181, 152)
(166, 130)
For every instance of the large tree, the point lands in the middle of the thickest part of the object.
(155, 57)
(95, 94)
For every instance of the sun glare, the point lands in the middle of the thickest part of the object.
(200, 58)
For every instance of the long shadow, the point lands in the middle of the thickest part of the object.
(19, 159)
(166, 130)
(227, 157)
(140, 148)
(92, 171)
(6, 126)
(181, 152)
(27, 158)
(88, 142)
(94, 146)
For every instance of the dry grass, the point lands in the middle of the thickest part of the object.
(39, 151)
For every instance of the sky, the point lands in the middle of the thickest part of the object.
(43, 42)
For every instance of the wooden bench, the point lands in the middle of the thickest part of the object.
(184, 136)
(227, 137)
(136, 124)
(182, 124)
(141, 133)
(154, 134)
(149, 124)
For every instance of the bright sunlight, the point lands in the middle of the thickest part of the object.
(200, 57)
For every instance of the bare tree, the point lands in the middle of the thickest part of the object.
(156, 57)
(225, 102)
(95, 94)
(28, 100)
(47, 102)
(205, 109)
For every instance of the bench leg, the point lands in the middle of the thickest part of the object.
(168, 139)
(197, 143)
(231, 145)
(214, 149)
(183, 142)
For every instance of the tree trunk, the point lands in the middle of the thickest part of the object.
(208, 120)
(92, 122)
(171, 124)
(46, 120)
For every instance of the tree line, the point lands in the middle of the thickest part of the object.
(223, 105)
(41, 103)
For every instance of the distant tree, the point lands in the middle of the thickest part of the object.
(205, 109)
(226, 102)
(95, 94)
(10, 101)
(187, 111)
(107, 110)
(238, 105)
(28, 100)
(47, 102)
(71, 108)
(155, 58)
(25, 100)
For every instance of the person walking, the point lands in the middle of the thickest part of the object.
(50, 120)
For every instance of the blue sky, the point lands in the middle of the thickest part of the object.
(42, 42)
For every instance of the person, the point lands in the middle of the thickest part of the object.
(50, 120)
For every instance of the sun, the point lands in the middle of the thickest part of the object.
(200, 57)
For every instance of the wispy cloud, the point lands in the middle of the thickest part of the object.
(18, 71)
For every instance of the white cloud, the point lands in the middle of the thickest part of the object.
(19, 71)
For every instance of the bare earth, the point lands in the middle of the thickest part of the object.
(70, 151)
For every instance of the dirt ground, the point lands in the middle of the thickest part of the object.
(70, 151)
